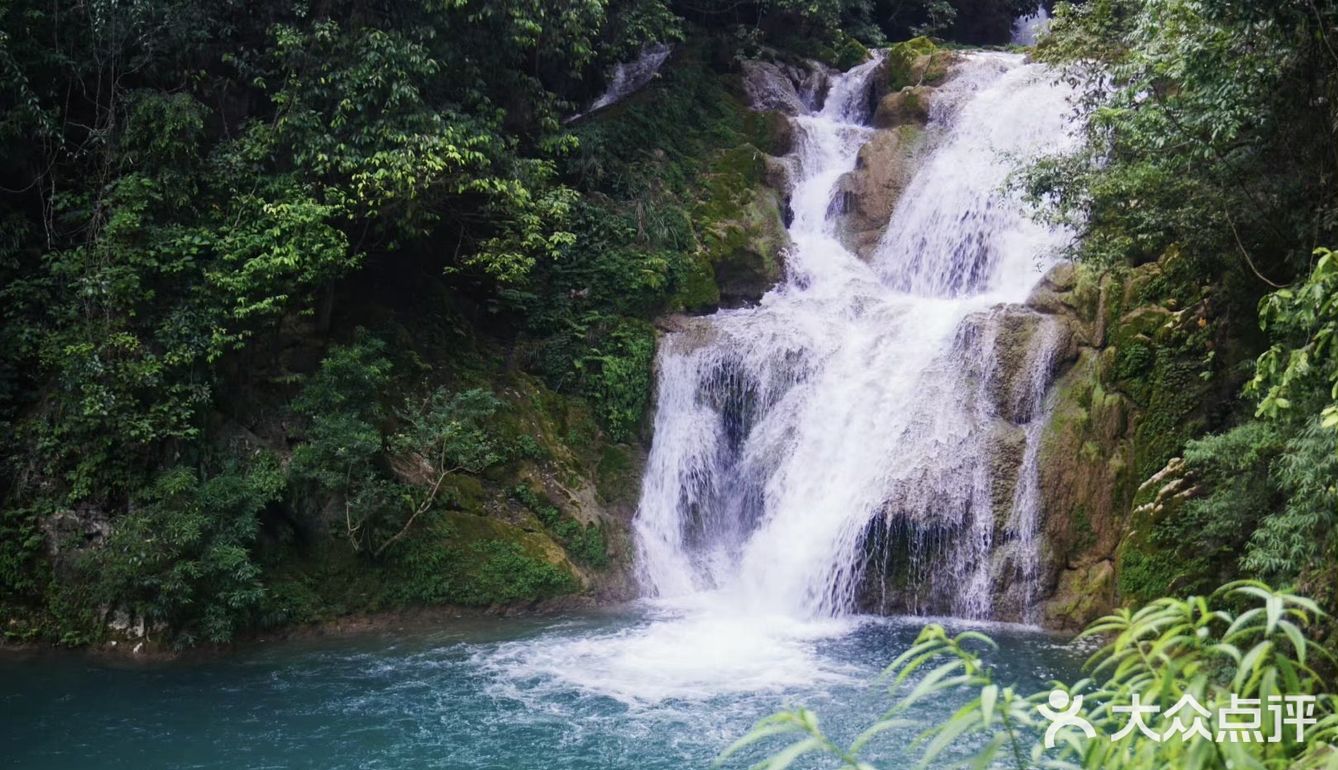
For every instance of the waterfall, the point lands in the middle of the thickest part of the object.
(1028, 29)
(628, 77)
(871, 418)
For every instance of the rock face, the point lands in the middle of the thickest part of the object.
(1129, 396)
(910, 105)
(746, 249)
(791, 89)
(744, 210)
(746, 234)
(868, 194)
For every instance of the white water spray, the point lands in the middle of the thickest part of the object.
(1029, 29)
(626, 78)
(865, 419)
(858, 397)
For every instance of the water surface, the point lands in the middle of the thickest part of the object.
(637, 687)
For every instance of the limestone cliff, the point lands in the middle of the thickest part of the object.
(1136, 384)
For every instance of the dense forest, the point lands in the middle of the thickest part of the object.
(319, 309)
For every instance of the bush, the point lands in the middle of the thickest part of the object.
(182, 556)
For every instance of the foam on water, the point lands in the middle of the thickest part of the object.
(682, 651)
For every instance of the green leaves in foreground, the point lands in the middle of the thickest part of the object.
(1246, 640)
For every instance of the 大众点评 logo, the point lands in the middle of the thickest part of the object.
(1241, 721)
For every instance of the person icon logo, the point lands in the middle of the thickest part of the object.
(1062, 712)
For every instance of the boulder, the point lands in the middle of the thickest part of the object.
(792, 89)
(917, 62)
(1082, 595)
(910, 105)
(745, 250)
(867, 196)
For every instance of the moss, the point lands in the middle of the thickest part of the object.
(1144, 576)
(743, 234)
(848, 53)
(1154, 562)
(917, 61)
(584, 543)
(1084, 534)
(1081, 596)
(503, 572)
(479, 560)
(618, 476)
(1132, 361)
(464, 492)
(769, 131)
(697, 289)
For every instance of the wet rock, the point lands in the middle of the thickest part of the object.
(746, 249)
(868, 195)
(1006, 445)
(74, 529)
(781, 174)
(917, 62)
(788, 88)
(1054, 294)
(1082, 595)
(910, 105)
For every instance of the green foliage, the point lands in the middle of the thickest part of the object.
(182, 558)
(384, 481)
(1304, 321)
(1207, 137)
(202, 196)
(585, 543)
(1235, 466)
(507, 574)
(616, 377)
(1246, 640)
(1208, 127)
(1296, 540)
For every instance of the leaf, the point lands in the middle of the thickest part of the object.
(989, 696)
(876, 729)
(788, 755)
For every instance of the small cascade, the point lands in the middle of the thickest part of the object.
(867, 435)
(1029, 29)
(627, 78)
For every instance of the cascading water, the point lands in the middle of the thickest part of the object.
(865, 407)
(864, 420)
(1028, 29)
(628, 77)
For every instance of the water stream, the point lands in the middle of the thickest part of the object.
(456, 698)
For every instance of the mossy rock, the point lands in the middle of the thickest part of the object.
(908, 106)
(849, 53)
(742, 229)
(1082, 595)
(619, 475)
(1152, 560)
(480, 560)
(1172, 414)
(770, 131)
(914, 62)
(698, 291)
